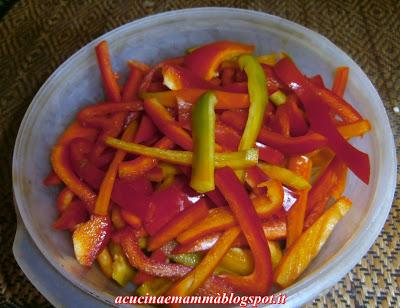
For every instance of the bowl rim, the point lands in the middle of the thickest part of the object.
(305, 289)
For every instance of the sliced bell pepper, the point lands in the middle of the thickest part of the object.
(64, 199)
(227, 75)
(236, 261)
(106, 187)
(188, 259)
(72, 216)
(304, 250)
(258, 100)
(354, 129)
(143, 67)
(317, 80)
(285, 176)
(206, 59)
(225, 100)
(340, 80)
(177, 78)
(90, 238)
(298, 124)
(235, 87)
(116, 218)
(269, 154)
(52, 179)
(131, 219)
(132, 169)
(105, 262)
(203, 132)
(140, 261)
(122, 272)
(146, 130)
(341, 175)
(194, 279)
(239, 160)
(301, 165)
(178, 224)
(110, 84)
(317, 110)
(167, 125)
(131, 87)
(278, 98)
(154, 287)
(259, 282)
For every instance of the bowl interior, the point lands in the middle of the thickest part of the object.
(77, 83)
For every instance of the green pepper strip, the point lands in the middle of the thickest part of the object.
(257, 87)
(235, 160)
(203, 134)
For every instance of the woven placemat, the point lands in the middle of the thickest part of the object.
(37, 36)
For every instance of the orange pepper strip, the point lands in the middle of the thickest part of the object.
(354, 129)
(340, 81)
(221, 218)
(193, 280)
(110, 84)
(225, 100)
(103, 199)
(131, 219)
(166, 124)
(129, 170)
(178, 224)
(302, 166)
(62, 167)
(139, 65)
(341, 174)
(304, 250)
(64, 199)
(131, 87)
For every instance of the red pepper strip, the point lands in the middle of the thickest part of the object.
(143, 67)
(103, 199)
(131, 219)
(110, 84)
(228, 74)
(167, 125)
(273, 82)
(132, 169)
(340, 81)
(141, 277)
(216, 197)
(298, 124)
(236, 87)
(178, 224)
(73, 215)
(193, 280)
(90, 238)
(287, 145)
(281, 122)
(259, 282)
(52, 179)
(131, 87)
(176, 78)
(227, 137)
(155, 73)
(61, 163)
(206, 59)
(269, 154)
(64, 199)
(147, 130)
(225, 100)
(136, 257)
(317, 110)
(301, 165)
(317, 80)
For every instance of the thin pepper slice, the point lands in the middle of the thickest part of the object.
(286, 176)
(259, 282)
(203, 132)
(106, 187)
(122, 272)
(317, 110)
(239, 160)
(206, 59)
(110, 84)
(177, 77)
(304, 250)
(72, 216)
(131, 87)
(340, 80)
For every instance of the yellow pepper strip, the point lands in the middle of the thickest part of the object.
(105, 262)
(285, 176)
(116, 218)
(122, 271)
(203, 134)
(103, 199)
(303, 251)
(355, 129)
(189, 259)
(154, 287)
(236, 160)
(278, 98)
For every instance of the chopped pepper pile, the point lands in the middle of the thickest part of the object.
(218, 171)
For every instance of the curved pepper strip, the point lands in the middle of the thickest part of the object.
(203, 132)
(225, 100)
(177, 77)
(167, 125)
(131, 87)
(110, 84)
(193, 280)
(178, 224)
(259, 282)
(317, 110)
(304, 250)
(106, 187)
(61, 163)
(239, 160)
(285, 176)
(206, 59)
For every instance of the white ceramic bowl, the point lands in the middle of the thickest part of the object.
(76, 83)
